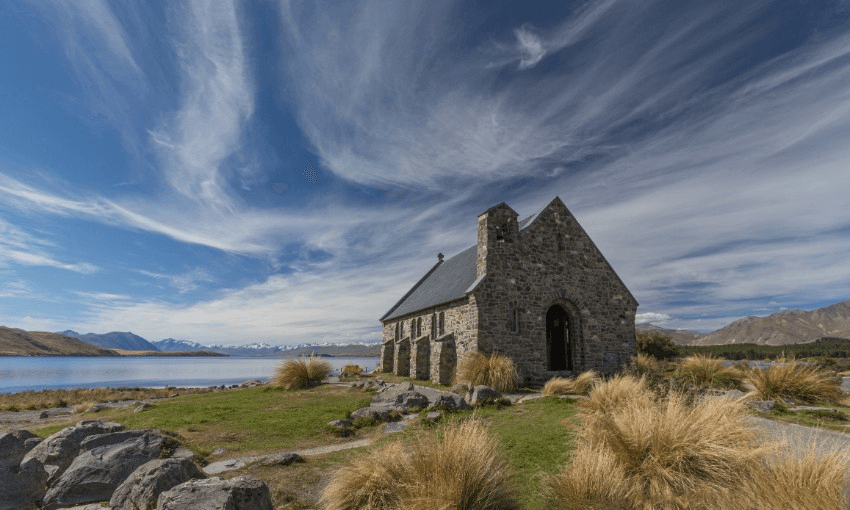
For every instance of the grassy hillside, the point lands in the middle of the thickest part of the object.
(16, 342)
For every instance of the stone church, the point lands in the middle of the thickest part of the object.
(536, 290)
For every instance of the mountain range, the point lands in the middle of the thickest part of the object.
(781, 328)
(17, 342)
(114, 340)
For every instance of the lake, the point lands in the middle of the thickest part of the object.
(47, 373)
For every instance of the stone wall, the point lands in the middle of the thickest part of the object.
(552, 262)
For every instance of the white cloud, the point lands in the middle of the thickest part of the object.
(654, 317)
(530, 46)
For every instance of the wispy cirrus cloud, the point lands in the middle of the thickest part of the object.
(20, 247)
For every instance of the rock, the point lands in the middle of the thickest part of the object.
(58, 451)
(241, 493)
(96, 408)
(434, 416)
(252, 383)
(403, 401)
(369, 385)
(450, 402)
(340, 424)
(396, 426)
(141, 408)
(31, 443)
(481, 394)
(460, 389)
(104, 462)
(218, 451)
(181, 452)
(282, 459)
(43, 415)
(764, 406)
(375, 412)
(22, 484)
(144, 485)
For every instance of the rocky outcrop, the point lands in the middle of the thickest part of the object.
(21, 483)
(479, 395)
(396, 400)
(58, 451)
(241, 493)
(143, 487)
(105, 460)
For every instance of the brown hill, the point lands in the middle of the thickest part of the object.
(17, 342)
(782, 328)
(679, 336)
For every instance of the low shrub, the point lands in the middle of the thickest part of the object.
(294, 374)
(795, 382)
(657, 345)
(580, 385)
(496, 371)
(351, 370)
(708, 372)
(456, 468)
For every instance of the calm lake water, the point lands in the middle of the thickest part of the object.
(37, 373)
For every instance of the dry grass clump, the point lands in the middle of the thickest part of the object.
(294, 374)
(85, 406)
(708, 372)
(668, 454)
(351, 370)
(457, 470)
(795, 382)
(496, 371)
(580, 385)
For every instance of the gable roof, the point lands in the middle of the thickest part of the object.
(447, 281)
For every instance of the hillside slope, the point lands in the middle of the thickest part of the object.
(17, 342)
(786, 327)
(114, 340)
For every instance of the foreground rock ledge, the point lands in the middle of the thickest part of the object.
(241, 493)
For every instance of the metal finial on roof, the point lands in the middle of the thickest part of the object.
(440, 257)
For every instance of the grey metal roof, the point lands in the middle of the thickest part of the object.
(447, 281)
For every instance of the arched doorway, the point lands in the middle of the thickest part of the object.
(558, 339)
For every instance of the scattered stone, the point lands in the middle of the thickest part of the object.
(450, 402)
(434, 416)
(404, 400)
(281, 459)
(252, 383)
(340, 424)
(395, 426)
(175, 395)
(375, 412)
(369, 384)
(44, 415)
(735, 394)
(218, 451)
(181, 452)
(764, 406)
(22, 485)
(141, 408)
(143, 487)
(58, 451)
(814, 408)
(105, 460)
(241, 493)
(96, 408)
(481, 394)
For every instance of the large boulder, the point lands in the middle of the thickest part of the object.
(143, 487)
(241, 493)
(450, 402)
(58, 451)
(105, 460)
(402, 397)
(22, 484)
(479, 395)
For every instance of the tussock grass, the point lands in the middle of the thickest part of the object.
(705, 371)
(295, 374)
(496, 371)
(351, 370)
(85, 406)
(456, 468)
(795, 382)
(669, 454)
(580, 385)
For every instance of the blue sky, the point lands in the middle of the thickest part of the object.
(282, 172)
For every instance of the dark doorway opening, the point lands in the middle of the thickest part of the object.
(558, 339)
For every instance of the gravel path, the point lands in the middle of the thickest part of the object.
(801, 438)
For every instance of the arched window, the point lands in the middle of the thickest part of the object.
(515, 321)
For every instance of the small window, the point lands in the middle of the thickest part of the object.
(500, 234)
(442, 323)
(433, 326)
(515, 321)
(397, 331)
(418, 328)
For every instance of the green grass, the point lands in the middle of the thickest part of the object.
(247, 420)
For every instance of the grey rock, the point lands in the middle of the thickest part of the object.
(375, 412)
(340, 424)
(22, 484)
(434, 416)
(451, 402)
(141, 408)
(31, 443)
(181, 452)
(241, 493)
(97, 408)
(460, 389)
(282, 459)
(58, 451)
(144, 485)
(482, 394)
(218, 451)
(105, 460)
(764, 406)
(403, 401)
(735, 394)
(43, 415)
(396, 426)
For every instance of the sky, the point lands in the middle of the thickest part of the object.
(282, 172)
